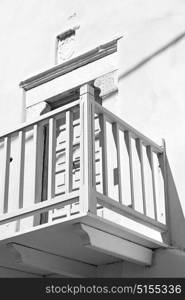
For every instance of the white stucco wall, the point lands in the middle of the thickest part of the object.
(151, 68)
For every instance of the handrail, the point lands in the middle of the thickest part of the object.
(40, 207)
(125, 126)
(130, 213)
(41, 118)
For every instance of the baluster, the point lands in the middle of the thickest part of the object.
(129, 150)
(93, 145)
(103, 143)
(150, 158)
(117, 143)
(140, 155)
(69, 151)
(69, 156)
(5, 175)
(36, 187)
(21, 167)
(51, 158)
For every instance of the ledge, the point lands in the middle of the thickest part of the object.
(77, 62)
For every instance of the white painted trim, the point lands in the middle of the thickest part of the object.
(71, 81)
(72, 64)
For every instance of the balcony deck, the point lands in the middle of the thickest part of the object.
(71, 241)
(104, 183)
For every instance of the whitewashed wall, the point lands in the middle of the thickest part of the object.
(151, 56)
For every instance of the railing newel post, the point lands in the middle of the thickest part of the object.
(87, 153)
(163, 165)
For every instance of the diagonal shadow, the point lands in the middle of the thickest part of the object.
(153, 55)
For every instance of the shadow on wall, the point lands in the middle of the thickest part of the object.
(153, 55)
(176, 220)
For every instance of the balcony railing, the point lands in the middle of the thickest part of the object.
(80, 159)
(137, 165)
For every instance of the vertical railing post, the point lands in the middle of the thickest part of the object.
(51, 163)
(69, 157)
(34, 156)
(38, 136)
(103, 143)
(51, 158)
(151, 163)
(115, 129)
(21, 161)
(163, 166)
(21, 167)
(5, 178)
(87, 153)
(129, 150)
(69, 151)
(140, 156)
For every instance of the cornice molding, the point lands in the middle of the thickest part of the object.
(77, 62)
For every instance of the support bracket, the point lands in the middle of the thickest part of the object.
(112, 245)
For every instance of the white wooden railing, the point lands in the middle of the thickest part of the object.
(22, 135)
(150, 161)
(120, 169)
